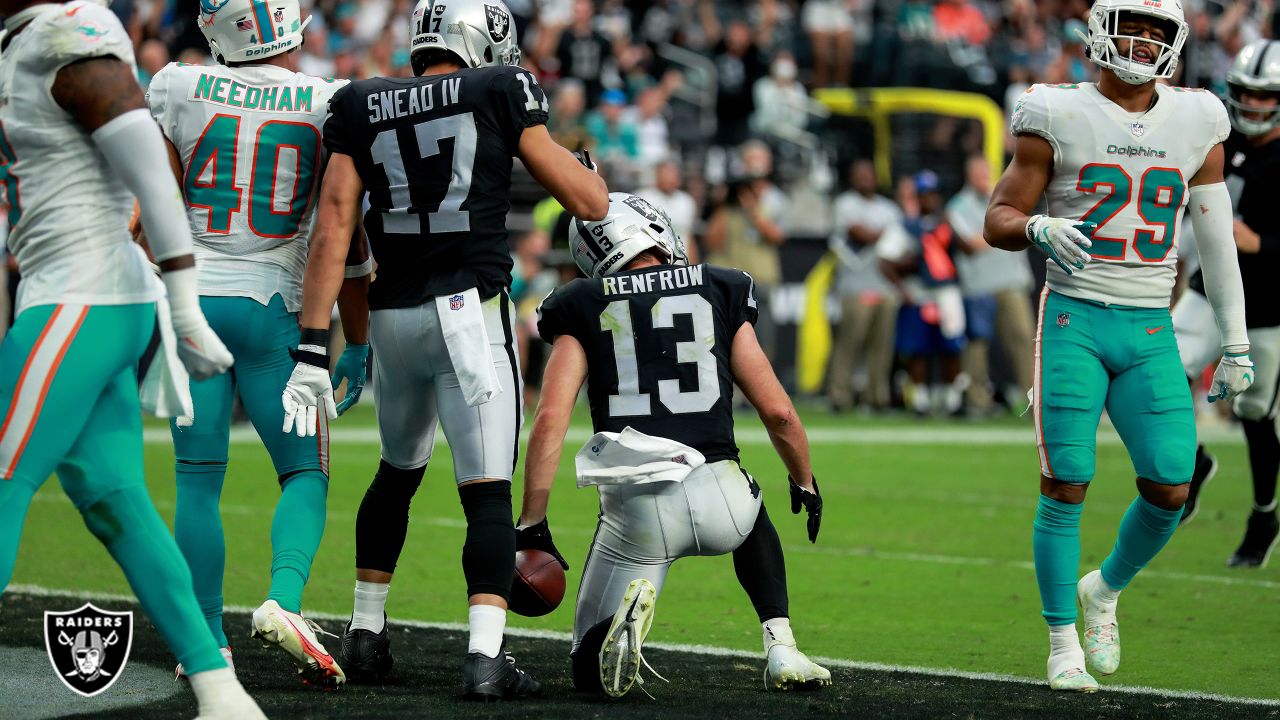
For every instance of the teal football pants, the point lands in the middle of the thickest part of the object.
(260, 338)
(69, 398)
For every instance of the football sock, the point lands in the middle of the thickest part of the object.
(371, 606)
(128, 525)
(777, 632)
(486, 623)
(383, 518)
(1065, 652)
(586, 659)
(489, 554)
(1143, 532)
(197, 527)
(15, 499)
(762, 569)
(1056, 547)
(1264, 461)
(213, 687)
(296, 530)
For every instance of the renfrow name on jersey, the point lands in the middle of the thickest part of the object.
(665, 279)
(392, 104)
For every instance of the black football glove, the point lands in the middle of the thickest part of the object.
(812, 504)
(538, 537)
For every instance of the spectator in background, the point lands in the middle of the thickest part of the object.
(614, 136)
(566, 124)
(995, 286)
(153, 55)
(680, 205)
(868, 304)
(920, 264)
(781, 103)
(960, 20)
(829, 25)
(746, 230)
(738, 67)
(584, 51)
(650, 120)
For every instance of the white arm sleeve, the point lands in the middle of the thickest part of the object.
(135, 149)
(1213, 222)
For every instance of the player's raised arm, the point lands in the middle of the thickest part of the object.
(579, 189)
(1212, 218)
(103, 96)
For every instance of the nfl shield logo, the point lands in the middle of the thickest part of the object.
(499, 22)
(88, 647)
(455, 302)
(1137, 129)
(1064, 319)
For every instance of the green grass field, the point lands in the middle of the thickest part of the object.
(924, 557)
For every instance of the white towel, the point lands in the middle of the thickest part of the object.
(166, 389)
(467, 338)
(633, 458)
(950, 311)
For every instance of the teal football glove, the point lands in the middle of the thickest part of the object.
(1065, 242)
(1233, 376)
(351, 367)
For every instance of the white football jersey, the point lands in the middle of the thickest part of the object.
(1126, 172)
(250, 142)
(69, 212)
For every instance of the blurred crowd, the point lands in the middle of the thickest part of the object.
(706, 107)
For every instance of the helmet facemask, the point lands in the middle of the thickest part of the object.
(1105, 36)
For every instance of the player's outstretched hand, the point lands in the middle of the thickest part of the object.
(1066, 242)
(199, 348)
(307, 390)
(351, 367)
(1233, 376)
(811, 501)
(538, 537)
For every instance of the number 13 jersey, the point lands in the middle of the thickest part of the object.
(434, 154)
(1126, 172)
(657, 342)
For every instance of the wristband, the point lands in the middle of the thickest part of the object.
(313, 348)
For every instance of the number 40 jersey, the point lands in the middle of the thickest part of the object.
(1126, 172)
(657, 342)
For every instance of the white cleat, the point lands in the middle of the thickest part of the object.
(620, 657)
(1101, 634)
(296, 635)
(1067, 673)
(790, 669)
(180, 673)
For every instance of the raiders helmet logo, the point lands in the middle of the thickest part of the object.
(499, 22)
(88, 647)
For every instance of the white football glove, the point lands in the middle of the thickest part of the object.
(199, 348)
(308, 388)
(1233, 376)
(1064, 241)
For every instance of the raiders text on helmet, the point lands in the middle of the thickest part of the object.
(1104, 31)
(633, 225)
(1257, 70)
(479, 32)
(248, 30)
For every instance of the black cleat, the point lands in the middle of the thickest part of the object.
(1260, 538)
(1206, 468)
(485, 678)
(366, 655)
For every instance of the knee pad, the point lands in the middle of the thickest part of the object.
(489, 555)
(383, 518)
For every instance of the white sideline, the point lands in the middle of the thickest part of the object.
(39, 591)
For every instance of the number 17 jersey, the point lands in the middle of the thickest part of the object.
(657, 341)
(1128, 174)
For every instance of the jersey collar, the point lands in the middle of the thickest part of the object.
(1150, 117)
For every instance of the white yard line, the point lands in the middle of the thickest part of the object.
(39, 591)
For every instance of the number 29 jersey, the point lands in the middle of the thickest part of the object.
(657, 342)
(434, 153)
(1128, 174)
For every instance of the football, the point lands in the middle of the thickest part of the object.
(538, 584)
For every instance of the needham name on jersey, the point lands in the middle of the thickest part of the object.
(402, 102)
(654, 280)
(222, 90)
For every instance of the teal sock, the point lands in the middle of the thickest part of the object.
(1143, 533)
(128, 525)
(1056, 546)
(197, 526)
(295, 535)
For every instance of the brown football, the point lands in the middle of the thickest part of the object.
(538, 585)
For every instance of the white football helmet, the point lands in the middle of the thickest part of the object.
(633, 225)
(1104, 30)
(247, 30)
(1256, 68)
(480, 32)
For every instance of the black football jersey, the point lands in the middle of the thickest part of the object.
(434, 154)
(1251, 174)
(657, 341)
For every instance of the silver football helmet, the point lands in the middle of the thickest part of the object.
(1256, 69)
(480, 32)
(633, 225)
(1104, 30)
